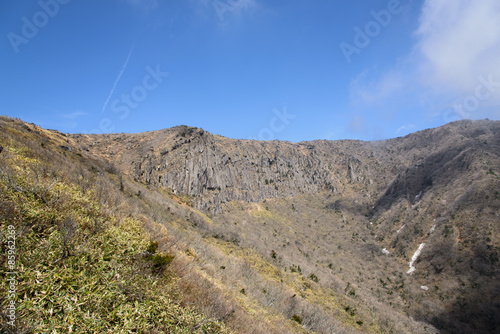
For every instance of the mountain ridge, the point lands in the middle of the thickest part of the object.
(441, 179)
(398, 236)
(208, 165)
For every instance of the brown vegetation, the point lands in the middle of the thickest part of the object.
(291, 241)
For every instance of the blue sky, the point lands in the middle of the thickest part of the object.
(251, 69)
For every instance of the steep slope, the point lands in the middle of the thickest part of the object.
(196, 163)
(92, 253)
(216, 170)
(291, 237)
(70, 260)
(439, 156)
(434, 190)
(448, 203)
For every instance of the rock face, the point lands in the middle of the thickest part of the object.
(214, 170)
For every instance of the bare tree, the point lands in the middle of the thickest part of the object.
(67, 228)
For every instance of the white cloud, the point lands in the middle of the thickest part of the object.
(357, 124)
(239, 5)
(459, 40)
(365, 90)
(405, 128)
(226, 13)
(457, 49)
(67, 121)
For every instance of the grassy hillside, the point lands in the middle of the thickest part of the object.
(98, 252)
(81, 267)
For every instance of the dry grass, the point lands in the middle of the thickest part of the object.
(311, 263)
(80, 266)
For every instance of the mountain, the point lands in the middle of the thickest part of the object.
(399, 235)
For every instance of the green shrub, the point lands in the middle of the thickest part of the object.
(152, 247)
(297, 319)
(314, 278)
(273, 254)
(160, 261)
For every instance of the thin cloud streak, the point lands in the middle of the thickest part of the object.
(118, 78)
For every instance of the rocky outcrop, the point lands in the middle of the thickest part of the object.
(215, 170)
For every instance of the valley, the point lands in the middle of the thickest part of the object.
(393, 236)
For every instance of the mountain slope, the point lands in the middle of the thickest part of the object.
(270, 237)
(394, 192)
(72, 263)
(216, 170)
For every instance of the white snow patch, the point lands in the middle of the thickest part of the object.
(423, 287)
(432, 229)
(418, 196)
(385, 251)
(402, 227)
(415, 257)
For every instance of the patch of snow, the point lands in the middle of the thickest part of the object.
(423, 287)
(402, 227)
(385, 251)
(418, 196)
(432, 229)
(414, 258)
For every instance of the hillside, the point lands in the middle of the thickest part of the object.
(76, 262)
(280, 237)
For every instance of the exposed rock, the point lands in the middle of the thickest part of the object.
(215, 169)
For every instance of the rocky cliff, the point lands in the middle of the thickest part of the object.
(214, 169)
(430, 200)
